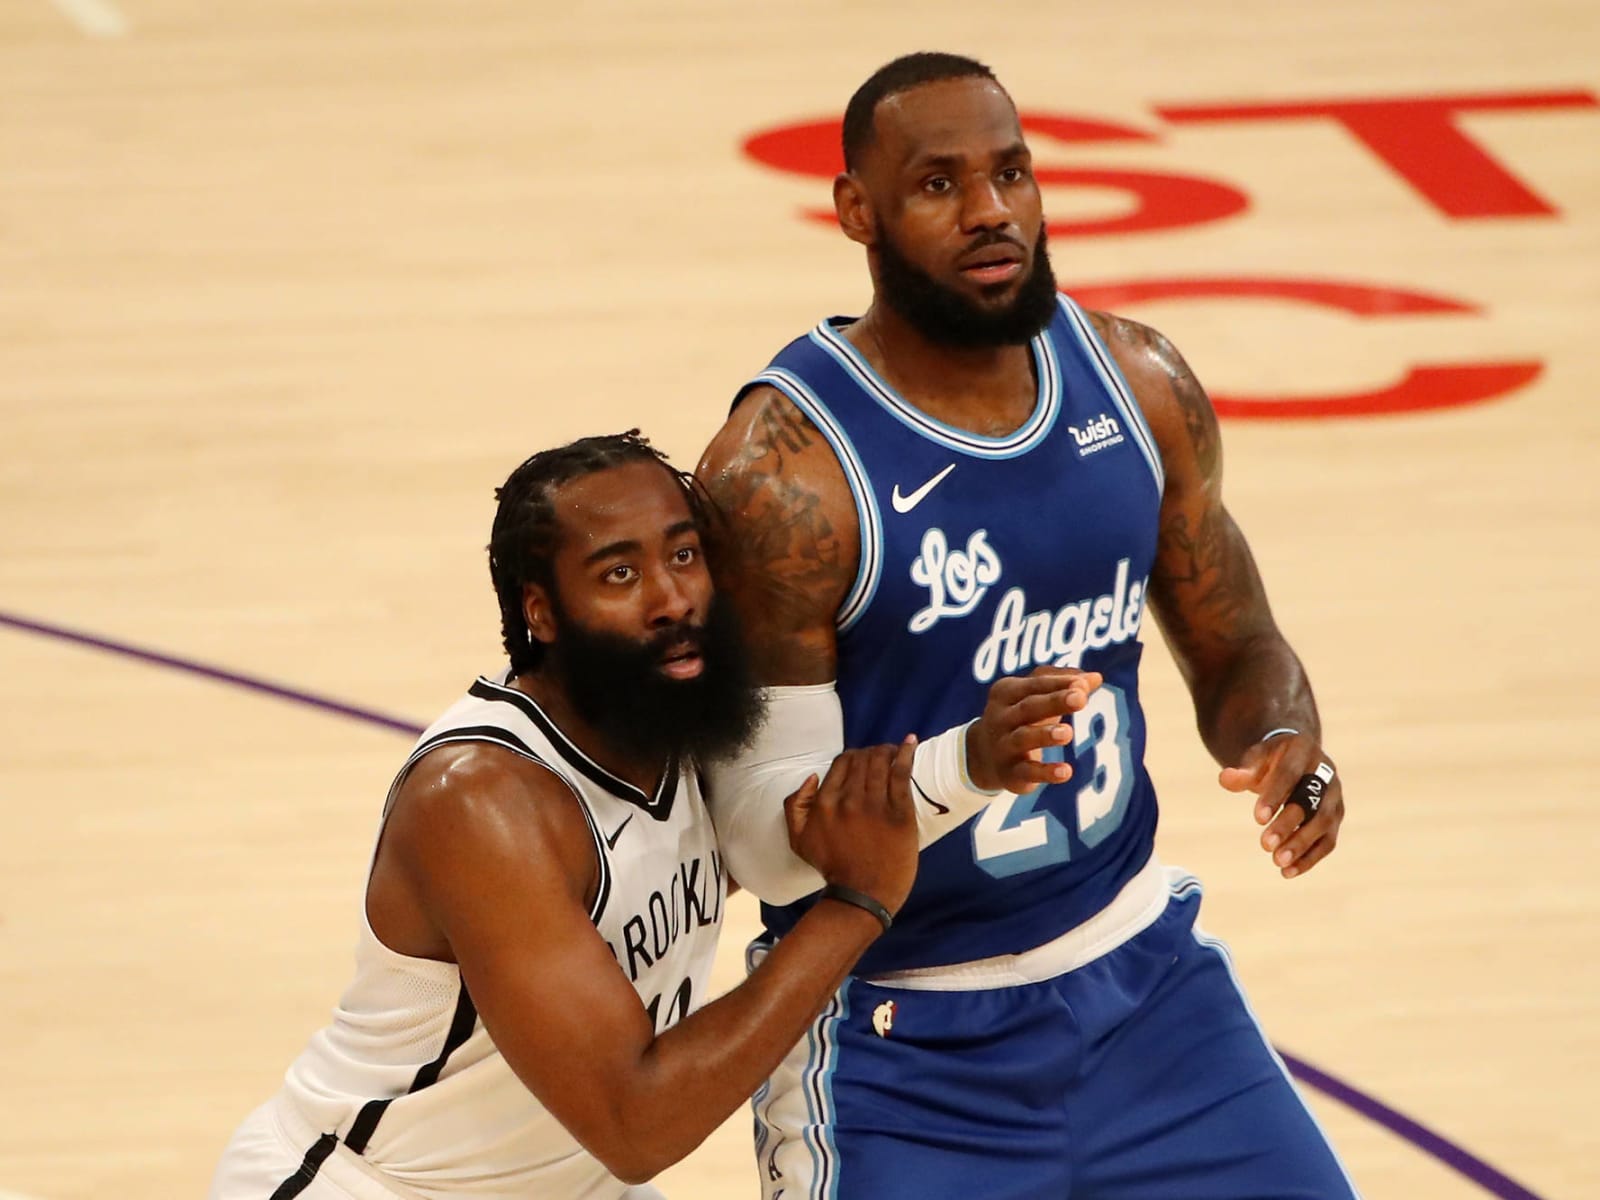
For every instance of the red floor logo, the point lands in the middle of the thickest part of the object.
(1417, 138)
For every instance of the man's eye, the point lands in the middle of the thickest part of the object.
(620, 574)
(937, 184)
(686, 555)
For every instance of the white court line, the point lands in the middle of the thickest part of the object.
(97, 18)
(16, 1196)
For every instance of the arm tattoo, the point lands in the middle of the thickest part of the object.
(783, 563)
(1205, 588)
(1205, 583)
(785, 427)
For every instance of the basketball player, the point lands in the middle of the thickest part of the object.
(544, 900)
(973, 478)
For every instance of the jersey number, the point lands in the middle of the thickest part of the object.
(1010, 838)
(677, 1007)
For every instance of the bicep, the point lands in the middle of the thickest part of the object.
(503, 869)
(1205, 589)
(787, 552)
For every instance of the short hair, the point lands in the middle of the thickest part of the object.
(526, 535)
(904, 73)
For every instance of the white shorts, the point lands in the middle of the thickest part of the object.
(263, 1159)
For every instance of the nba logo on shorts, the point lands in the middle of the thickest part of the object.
(883, 1018)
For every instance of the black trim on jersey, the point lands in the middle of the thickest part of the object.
(506, 740)
(476, 733)
(308, 1168)
(372, 1111)
(658, 806)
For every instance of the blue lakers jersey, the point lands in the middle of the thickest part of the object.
(982, 557)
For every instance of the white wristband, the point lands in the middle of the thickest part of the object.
(944, 793)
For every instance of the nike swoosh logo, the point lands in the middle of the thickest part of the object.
(941, 809)
(904, 504)
(611, 842)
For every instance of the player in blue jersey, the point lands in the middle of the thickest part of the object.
(972, 480)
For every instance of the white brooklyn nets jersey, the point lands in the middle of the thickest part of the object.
(405, 1086)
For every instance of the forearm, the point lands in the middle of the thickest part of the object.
(698, 1072)
(803, 734)
(1261, 687)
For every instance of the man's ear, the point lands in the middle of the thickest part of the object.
(538, 613)
(854, 209)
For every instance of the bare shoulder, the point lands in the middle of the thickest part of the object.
(475, 807)
(1173, 401)
(789, 544)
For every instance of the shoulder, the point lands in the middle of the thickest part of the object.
(788, 539)
(767, 435)
(1177, 408)
(466, 806)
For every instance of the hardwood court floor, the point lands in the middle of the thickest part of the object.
(286, 288)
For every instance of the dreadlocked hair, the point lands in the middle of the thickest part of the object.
(526, 534)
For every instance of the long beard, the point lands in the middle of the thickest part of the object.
(946, 317)
(616, 685)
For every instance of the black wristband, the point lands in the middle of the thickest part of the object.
(861, 900)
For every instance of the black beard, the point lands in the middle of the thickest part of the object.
(616, 685)
(947, 318)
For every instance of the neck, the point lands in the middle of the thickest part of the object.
(982, 388)
(552, 697)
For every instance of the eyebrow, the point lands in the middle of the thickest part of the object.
(634, 546)
(924, 161)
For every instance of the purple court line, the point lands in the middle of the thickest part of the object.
(1436, 1145)
(216, 674)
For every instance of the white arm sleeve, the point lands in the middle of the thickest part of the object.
(804, 732)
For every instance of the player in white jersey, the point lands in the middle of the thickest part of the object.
(545, 892)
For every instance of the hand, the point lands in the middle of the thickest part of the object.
(1023, 716)
(858, 827)
(1297, 840)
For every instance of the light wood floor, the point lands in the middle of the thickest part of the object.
(287, 286)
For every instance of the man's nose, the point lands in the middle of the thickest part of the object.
(983, 207)
(668, 600)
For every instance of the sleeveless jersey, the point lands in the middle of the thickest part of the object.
(406, 1075)
(982, 557)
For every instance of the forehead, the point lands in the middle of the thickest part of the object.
(957, 118)
(635, 502)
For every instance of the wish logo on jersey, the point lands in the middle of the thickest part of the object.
(1102, 433)
(1019, 639)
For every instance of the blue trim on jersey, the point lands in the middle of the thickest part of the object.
(1117, 386)
(1220, 949)
(1047, 404)
(818, 1085)
(870, 566)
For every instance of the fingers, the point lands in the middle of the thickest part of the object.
(1298, 840)
(1047, 706)
(901, 804)
(1306, 846)
(1283, 770)
(874, 779)
(797, 809)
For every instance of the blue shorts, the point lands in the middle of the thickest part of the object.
(1139, 1075)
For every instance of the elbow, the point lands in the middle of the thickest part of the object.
(634, 1173)
(634, 1164)
(768, 883)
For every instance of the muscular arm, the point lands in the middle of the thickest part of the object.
(786, 556)
(1205, 589)
(788, 553)
(487, 862)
